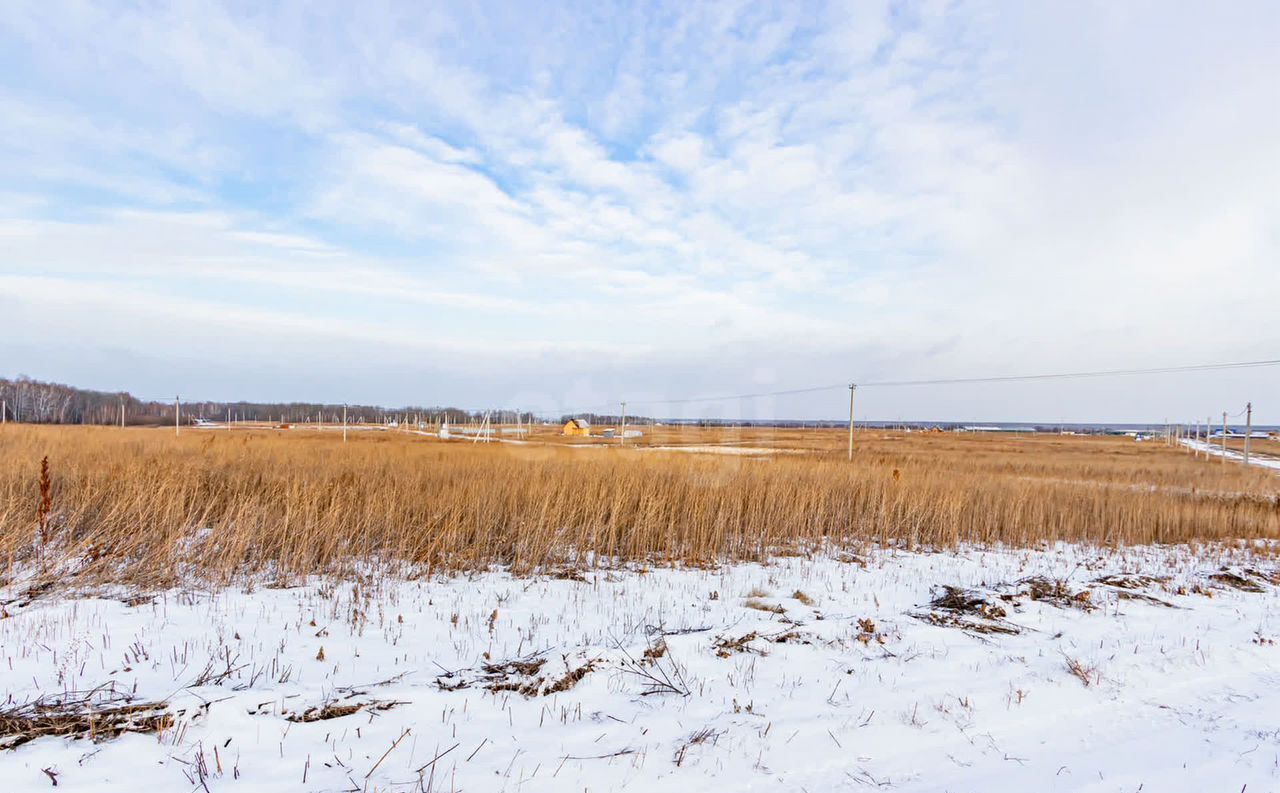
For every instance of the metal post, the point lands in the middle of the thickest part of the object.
(853, 389)
(1248, 429)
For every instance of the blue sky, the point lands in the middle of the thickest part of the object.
(561, 205)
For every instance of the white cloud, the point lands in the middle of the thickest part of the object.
(1023, 188)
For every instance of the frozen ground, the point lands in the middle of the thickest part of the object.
(1263, 461)
(808, 674)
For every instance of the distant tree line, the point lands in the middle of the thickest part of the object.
(36, 402)
(606, 419)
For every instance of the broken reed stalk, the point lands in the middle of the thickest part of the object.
(99, 714)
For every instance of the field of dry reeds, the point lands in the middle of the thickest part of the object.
(141, 506)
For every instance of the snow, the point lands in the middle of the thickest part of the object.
(1262, 461)
(748, 451)
(845, 685)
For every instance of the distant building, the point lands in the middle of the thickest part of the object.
(576, 428)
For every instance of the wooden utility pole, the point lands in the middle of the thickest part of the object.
(1248, 429)
(1224, 437)
(177, 413)
(853, 389)
(622, 433)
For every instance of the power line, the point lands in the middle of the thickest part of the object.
(1075, 375)
(811, 390)
(911, 383)
(969, 380)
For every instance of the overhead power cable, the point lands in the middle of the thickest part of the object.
(942, 381)
(969, 380)
(1074, 375)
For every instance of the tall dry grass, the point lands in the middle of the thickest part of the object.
(139, 505)
(1265, 447)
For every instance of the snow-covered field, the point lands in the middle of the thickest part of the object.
(806, 674)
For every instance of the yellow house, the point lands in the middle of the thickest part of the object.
(578, 427)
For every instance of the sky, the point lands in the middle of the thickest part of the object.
(558, 206)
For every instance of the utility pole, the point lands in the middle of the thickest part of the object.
(344, 423)
(853, 389)
(1248, 429)
(177, 413)
(622, 433)
(1224, 437)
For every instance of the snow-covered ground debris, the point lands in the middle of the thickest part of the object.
(1058, 669)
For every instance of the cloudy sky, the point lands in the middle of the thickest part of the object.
(558, 206)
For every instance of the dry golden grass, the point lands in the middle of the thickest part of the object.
(142, 506)
(1267, 447)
